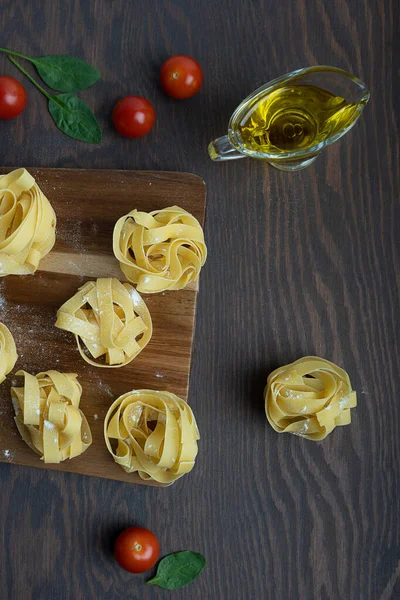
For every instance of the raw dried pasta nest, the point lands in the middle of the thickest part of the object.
(8, 352)
(48, 416)
(160, 250)
(27, 224)
(110, 319)
(309, 397)
(155, 433)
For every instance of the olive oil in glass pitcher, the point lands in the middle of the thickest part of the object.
(290, 120)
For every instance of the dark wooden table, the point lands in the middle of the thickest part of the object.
(298, 264)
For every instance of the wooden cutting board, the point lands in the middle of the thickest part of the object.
(87, 204)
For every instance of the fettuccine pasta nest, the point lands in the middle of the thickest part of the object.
(110, 319)
(48, 416)
(160, 250)
(27, 224)
(309, 397)
(8, 352)
(156, 435)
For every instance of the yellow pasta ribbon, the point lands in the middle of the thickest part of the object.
(8, 352)
(48, 416)
(160, 250)
(110, 319)
(156, 435)
(27, 224)
(309, 397)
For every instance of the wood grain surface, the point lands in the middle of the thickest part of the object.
(87, 204)
(298, 264)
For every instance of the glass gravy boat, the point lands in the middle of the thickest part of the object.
(288, 121)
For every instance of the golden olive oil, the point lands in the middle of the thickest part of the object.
(293, 117)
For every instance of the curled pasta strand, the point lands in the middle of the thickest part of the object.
(27, 224)
(155, 433)
(309, 397)
(160, 250)
(48, 416)
(8, 352)
(110, 319)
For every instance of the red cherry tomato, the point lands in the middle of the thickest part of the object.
(12, 97)
(181, 76)
(133, 116)
(137, 549)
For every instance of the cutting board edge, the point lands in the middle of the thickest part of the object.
(48, 467)
(144, 172)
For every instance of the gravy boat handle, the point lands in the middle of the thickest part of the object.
(222, 149)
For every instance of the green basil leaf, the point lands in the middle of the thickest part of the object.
(178, 569)
(65, 73)
(74, 118)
